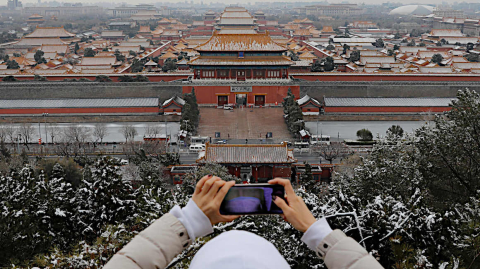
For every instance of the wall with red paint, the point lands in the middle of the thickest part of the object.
(377, 77)
(273, 94)
(114, 78)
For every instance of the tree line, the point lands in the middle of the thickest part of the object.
(412, 203)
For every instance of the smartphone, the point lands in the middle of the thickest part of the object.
(252, 199)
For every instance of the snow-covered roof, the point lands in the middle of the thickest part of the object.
(412, 10)
(446, 32)
(235, 14)
(73, 103)
(354, 40)
(50, 32)
(243, 42)
(397, 102)
(256, 60)
(98, 60)
(236, 21)
(39, 41)
(305, 100)
(175, 99)
(247, 154)
(304, 133)
(237, 31)
(112, 34)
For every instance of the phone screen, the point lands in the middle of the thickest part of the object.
(252, 199)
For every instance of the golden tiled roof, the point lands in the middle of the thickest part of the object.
(240, 42)
(233, 61)
(168, 55)
(50, 32)
(144, 29)
(327, 29)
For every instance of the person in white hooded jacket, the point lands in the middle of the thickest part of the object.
(157, 245)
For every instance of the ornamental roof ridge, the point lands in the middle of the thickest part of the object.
(240, 42)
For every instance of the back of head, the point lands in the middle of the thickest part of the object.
(238, 250)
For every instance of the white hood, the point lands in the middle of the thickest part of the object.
(238, 250)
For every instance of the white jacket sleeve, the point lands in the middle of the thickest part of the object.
(337, 250)
(156, 246)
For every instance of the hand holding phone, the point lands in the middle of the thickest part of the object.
(252, 199)
(208, 196)
(295, 211)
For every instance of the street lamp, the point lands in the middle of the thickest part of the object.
(19, 136)
(45, 124)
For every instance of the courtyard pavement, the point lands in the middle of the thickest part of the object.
(243, 123)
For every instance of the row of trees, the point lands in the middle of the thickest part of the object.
(293, 114)
(413, 203)
(45, 214)
(190, 113)
(323, 65)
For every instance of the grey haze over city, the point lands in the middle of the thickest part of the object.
(243, 3)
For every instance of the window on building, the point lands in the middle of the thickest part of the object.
(208, 74)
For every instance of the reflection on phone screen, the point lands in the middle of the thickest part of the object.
(252, 200)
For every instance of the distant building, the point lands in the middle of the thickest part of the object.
(113, 35)
(35, 19)
(173, 106)
(334, 10)
(472, 27)
(121, 25)
(309, 105)
(411, 10)
(42, 36)
(14, 4)
(255, 163)
(259, 15)
(449, 13)
(128, 11)
(240, 56)
(62, 11)
(363, 25)
(236, 18)
(209, 16)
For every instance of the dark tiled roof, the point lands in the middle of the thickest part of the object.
(397, 102)
(246, 154)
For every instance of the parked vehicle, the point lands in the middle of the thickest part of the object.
(228, 107)
(197, 147)
(301, 147)
(199, 139)
(123, 162)
(286, 142)
(320, 139)
(221, 142)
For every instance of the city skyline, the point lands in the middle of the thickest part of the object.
(240, 3)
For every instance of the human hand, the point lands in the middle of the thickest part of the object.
(208, 198)
(296, 211)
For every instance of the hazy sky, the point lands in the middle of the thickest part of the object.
(431, 2)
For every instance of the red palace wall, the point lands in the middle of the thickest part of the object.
(273, 94)
(345, 76)
(98, 110)
(396, 77)
(114, 78)
(385, 109)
